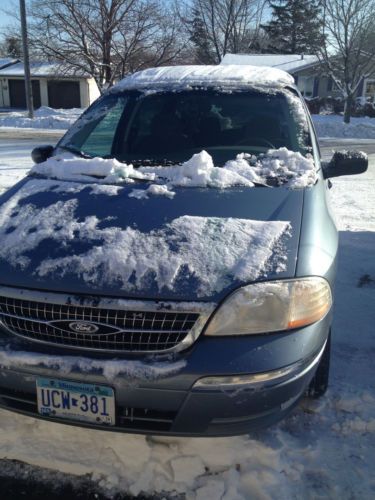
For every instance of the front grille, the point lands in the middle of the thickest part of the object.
(117, 329)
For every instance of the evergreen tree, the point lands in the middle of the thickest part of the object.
(295, 27)
(204, 53)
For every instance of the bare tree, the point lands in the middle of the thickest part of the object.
(347, 56)
(221, 26)
(104, 38)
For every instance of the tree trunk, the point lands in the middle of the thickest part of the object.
(348, 108)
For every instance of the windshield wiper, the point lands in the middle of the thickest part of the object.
(154, 162)
(261, 184)
(75, 151)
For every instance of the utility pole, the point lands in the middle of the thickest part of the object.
(26, 62)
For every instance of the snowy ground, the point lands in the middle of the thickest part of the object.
(325, 449)
(44, 118)
(333, 126)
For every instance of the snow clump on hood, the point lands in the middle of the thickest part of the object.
(288, 168)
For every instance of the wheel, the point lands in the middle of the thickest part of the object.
(319, 383)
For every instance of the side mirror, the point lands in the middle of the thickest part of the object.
(345, 163)
(41, 153)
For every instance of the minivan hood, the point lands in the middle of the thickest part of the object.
(94, 239)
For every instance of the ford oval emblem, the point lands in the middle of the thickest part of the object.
(82, 327)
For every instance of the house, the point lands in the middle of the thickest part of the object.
(307, 72)
(53, 85)
(304, 68)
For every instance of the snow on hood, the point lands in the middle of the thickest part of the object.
(212, 252)
(206, 76)
(296, 170)
(69, 167)
(293, 169)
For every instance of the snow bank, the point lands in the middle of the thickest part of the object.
(206, 76)
(334, 126)
(290, 168)
(236, 468)
(44, 117)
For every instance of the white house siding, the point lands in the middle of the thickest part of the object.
(94, 92)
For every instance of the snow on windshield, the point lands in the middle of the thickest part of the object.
(291, 168)
(209, 252)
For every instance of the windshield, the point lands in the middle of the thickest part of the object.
(168, 127)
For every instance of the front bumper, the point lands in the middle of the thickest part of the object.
(271, 373)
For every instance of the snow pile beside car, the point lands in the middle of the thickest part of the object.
(286, 167)
(45, 118)
(334, 126)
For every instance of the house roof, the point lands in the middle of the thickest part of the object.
(205, 76)
(291, 63)
(7, 61)
(46, 69)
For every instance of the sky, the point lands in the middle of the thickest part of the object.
(6, 6)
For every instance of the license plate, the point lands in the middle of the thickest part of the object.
(76, 401)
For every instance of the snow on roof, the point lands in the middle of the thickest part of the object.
(287, 62)
(204, 76)
(7, 61)
(40, 68)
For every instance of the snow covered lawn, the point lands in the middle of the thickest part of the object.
(45, 118)
(325, 449)
(333, 126)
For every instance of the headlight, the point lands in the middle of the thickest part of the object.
(272, 306)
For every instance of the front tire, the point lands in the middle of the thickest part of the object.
(319, 384)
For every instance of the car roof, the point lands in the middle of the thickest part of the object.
(228, 77)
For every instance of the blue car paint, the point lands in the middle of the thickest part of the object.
(264, 204)
(311, 251)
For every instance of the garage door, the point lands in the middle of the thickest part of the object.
(63, 94)
(17, 93)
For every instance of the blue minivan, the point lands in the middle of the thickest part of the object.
(168, 267)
